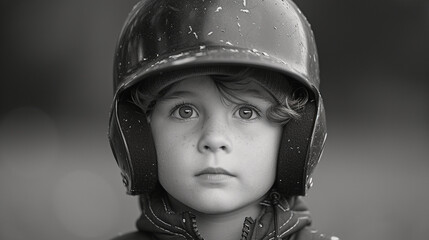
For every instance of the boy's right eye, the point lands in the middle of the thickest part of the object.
(184, 112)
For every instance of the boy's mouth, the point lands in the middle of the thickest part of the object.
(214, 171)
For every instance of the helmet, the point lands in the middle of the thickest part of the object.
(161, 36)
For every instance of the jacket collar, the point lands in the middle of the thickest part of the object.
(282, 217)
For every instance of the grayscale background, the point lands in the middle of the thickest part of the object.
(59, 180)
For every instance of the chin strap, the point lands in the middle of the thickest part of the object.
(275, 196)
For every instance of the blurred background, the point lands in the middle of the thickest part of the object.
(59, 180)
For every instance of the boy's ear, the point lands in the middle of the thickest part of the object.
(148, 119)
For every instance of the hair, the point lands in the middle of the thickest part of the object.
(290, 97)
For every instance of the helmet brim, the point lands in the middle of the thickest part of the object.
(216, 56)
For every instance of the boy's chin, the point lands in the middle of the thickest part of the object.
(215, 201)
(219, 205)
(215, 209)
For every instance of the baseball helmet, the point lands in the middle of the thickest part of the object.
(165, 36)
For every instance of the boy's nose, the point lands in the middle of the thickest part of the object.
(214, 139)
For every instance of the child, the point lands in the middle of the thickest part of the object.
(217, 121)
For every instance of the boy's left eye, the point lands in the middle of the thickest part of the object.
(247, 113)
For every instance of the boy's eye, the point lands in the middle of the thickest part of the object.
(184, 112)
(247, 113)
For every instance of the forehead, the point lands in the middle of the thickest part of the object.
(198, 85)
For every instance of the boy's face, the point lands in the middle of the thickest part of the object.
(215, 156)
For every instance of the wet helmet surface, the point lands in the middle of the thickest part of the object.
(163, 36)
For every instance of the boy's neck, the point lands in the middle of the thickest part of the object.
(225, 226)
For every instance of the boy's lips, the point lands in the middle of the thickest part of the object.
(214, 171)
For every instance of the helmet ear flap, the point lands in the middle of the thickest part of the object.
(133, 146)
(295, 144)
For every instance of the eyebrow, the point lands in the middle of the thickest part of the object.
(260, 95)
(178, 94)
(251, 92)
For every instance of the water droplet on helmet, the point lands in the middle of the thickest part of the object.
(310, 183)
(182, 61)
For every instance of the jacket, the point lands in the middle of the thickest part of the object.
(289, 219)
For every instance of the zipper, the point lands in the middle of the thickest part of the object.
(247, 228)
(190, 220)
